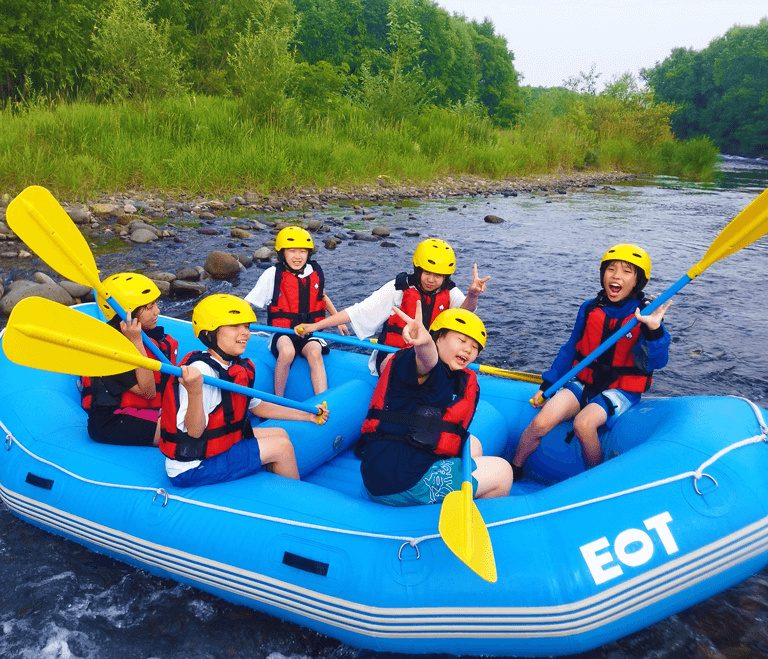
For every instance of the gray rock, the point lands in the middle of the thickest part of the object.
(187, 274)
(314, 225)
(143, 236)
(493, 219)
(330, 243)
(244, 259)
(104, 210)
(48, 291)
(387, 243)
(369, 216)
(158, 275)
(181, 288)
(366, 237)
(163, 286)
(412, 234)
(380, 231)
(205, 215)
(250, 197)
(240, 233)
(5, 229)
(78, 215)
(221, 265)
(20, 284)
(77, 290)
(263, 254)
(135, 225)
(2, 288)
(42, 278)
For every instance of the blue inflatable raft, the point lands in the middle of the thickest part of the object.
(673, 516)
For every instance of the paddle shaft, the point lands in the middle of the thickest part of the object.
(614, 338)
(91, 276)
(170, 369)
(358, 343)
(466, 492)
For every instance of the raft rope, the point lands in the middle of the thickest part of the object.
(697, 474)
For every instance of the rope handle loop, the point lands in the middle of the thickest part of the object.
(8, 441)
(413, 543)
(697, 476)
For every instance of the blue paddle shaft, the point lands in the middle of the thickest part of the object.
(169, 369)
(339, 338)
(624, 329)
(466, 461)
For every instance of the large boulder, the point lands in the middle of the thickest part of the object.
(221, 265)
(48, 291)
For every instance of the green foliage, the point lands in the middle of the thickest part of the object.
(132, 57)
(262, 65)
(393, 85)
(44, 45)
(721, 91)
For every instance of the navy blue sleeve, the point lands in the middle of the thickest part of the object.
(565, 356)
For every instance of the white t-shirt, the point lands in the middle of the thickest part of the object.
(261, 294)
(368, 317)
(211, 400)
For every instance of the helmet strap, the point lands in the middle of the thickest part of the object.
(211, 344)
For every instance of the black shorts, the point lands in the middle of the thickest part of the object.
(106, 427)
(299, 342)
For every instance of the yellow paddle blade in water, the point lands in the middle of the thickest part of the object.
(522, 376)
(49, 336)
(743, 230)
(39, 220)
(462, 528)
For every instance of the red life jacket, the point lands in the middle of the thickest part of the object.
(431, 306)
(228, 423)
(439, 430)
(295, 299)
(616, 367)
(97, 392)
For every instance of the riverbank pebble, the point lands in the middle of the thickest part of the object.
(131, 218)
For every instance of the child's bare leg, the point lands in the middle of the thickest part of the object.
(562, 406)
(475, 448)
(276, 449)
(313, 352)
(385, 361)
(286, 353)
(585, 427)
(494, 477)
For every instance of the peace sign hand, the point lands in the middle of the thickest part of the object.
(414, 332)
(478, 285)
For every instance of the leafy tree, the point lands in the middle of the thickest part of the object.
(132, 55)
(262, 64)
(44, 45)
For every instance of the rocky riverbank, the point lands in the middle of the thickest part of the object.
(140, 217)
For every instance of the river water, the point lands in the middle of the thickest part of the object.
(61, 601)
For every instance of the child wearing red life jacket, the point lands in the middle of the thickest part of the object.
(430, 285)
(206, 434)
(611, 384)
(294, 293)
(420, 413)
(124, 409)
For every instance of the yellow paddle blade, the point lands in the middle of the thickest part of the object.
(462, 528)
(743, 230)
(39, 220)
(512, 375)
(49, 336)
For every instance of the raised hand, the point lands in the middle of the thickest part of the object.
(414, 332)
(478, 284)
(653, 320)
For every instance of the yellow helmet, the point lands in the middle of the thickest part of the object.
(293, 237)
(130, 289)
(462, 321)
(631, 254)
(436, 256)
(218, 310)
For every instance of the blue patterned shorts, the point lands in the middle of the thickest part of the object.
(442, 478)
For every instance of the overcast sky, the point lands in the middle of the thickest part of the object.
(553, 40)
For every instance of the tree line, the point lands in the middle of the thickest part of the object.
(721, 91)
(392, 55)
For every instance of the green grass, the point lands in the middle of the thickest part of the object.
(200, 145)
